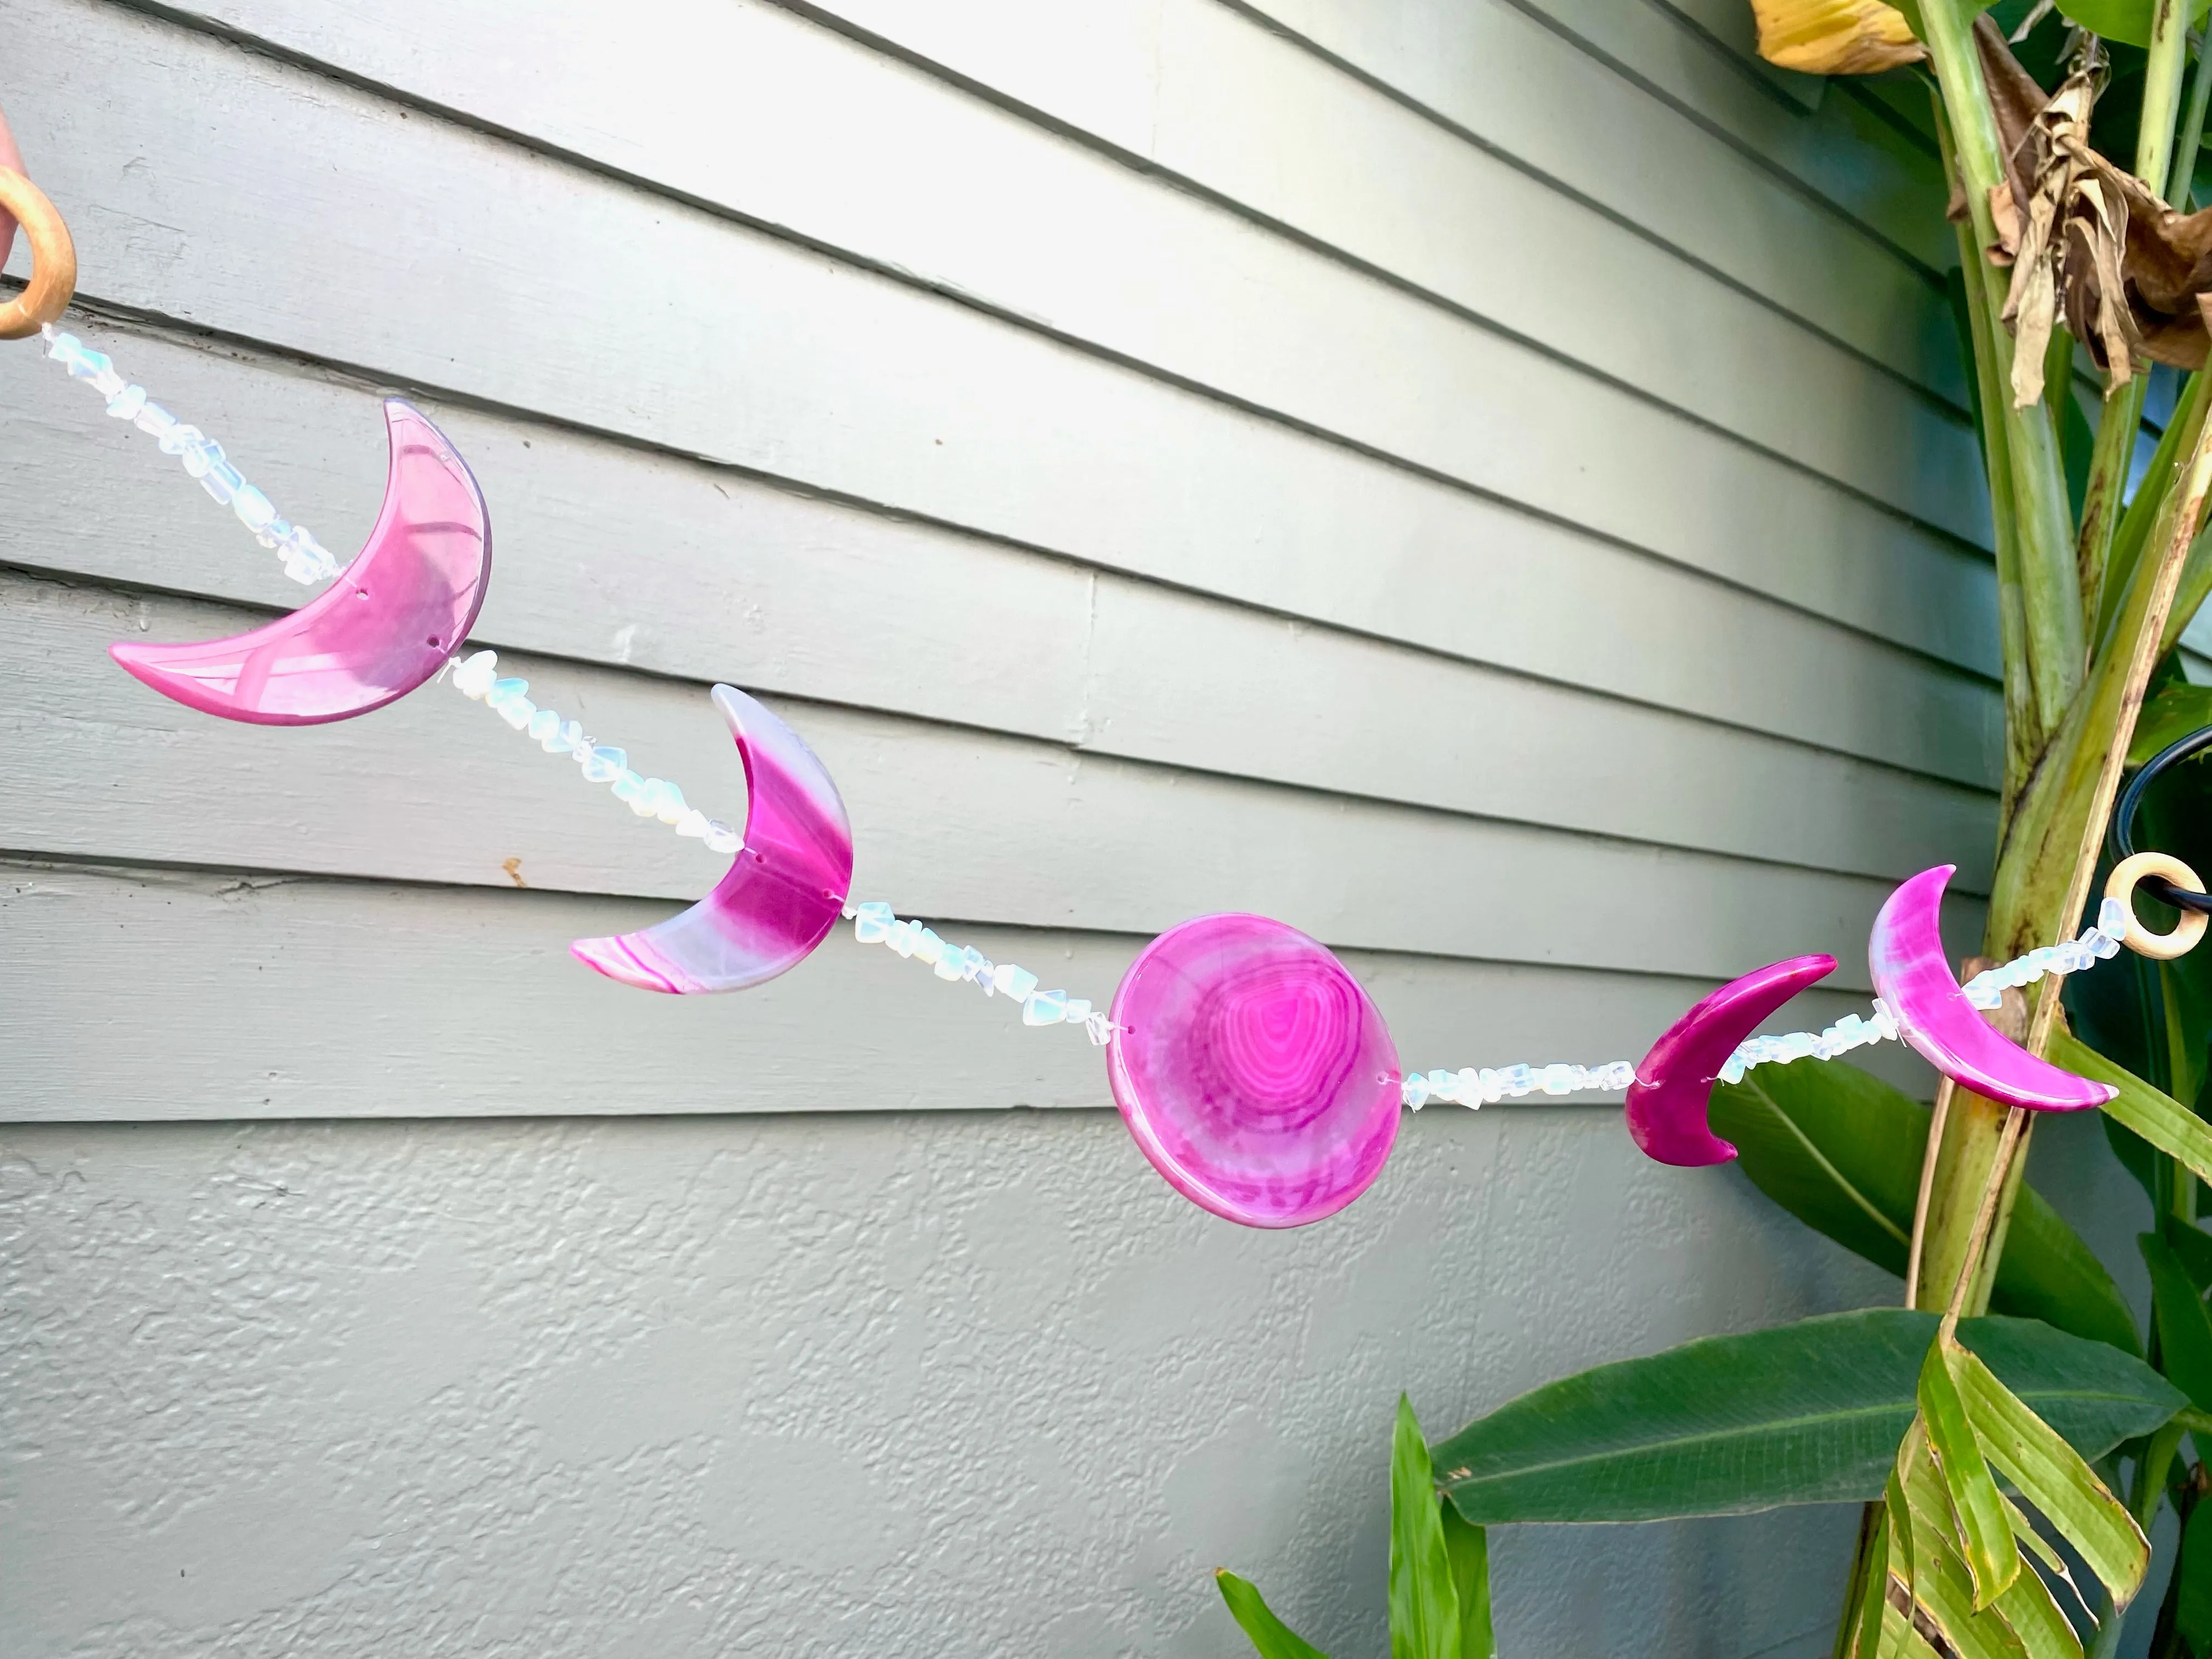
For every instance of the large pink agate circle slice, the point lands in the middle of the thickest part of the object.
(1253, 1070)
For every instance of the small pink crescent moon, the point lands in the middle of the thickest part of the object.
(386, 625)
(1673, 1086)
(783, 893)
(1912, 976)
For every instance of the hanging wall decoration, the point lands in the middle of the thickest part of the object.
(1251, 1068)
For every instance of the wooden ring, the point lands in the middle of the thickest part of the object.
(54, 260)
(2121, 885)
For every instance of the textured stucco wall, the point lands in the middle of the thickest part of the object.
(961, 1385)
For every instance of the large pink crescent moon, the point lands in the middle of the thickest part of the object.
(1673, 1086)
(386, 624)
(783, 893)
(1912, 976)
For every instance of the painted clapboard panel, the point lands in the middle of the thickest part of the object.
(865, 387)
(787, 124)
(437, 1001)
(726, 576)
(1500, 74)
(1067, 605)
(955, 823)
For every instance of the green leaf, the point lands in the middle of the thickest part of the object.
(1468, 1549)
(2024, 1620)
(2193, 1580)
(1840, 1149)
(1271, 1637)
(1424, 1604)
(2118, 19)
(2053, 1477)
(2185, 1327)
(2158, 1118)
(2173, 715)
(1984, 1531)
(1803, 1413)
(2193, 1248)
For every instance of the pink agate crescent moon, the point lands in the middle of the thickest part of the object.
(784, 891)
(387, 623)
(1673, 1086)
(1913, 977)
(1253, 1070)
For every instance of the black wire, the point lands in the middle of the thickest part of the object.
(2121, 837)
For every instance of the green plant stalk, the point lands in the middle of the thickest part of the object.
(1996, 460)
(2142, 1504)
(2134, 523)
(2049, 578)
(2184, 171)
(2156, 159)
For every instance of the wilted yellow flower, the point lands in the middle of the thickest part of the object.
(1835, 37)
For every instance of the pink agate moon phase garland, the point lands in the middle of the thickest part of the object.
(386, 624)
(784, 891)
(1673, 1086)
(1913, 977)
(1253, 1070)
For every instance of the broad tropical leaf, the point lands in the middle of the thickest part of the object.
(2178, 710)
(1840, 1149)
(2054, 1478)
(2024, 1619)
(2185, 1326)
(2118, 19)
(2193, 1248)
(1801, 1414)
(1468, 1548)
(1271, 1637)
(1424, 1602)
(2156, 1116)
(2192, 1574)
(1984, 1529)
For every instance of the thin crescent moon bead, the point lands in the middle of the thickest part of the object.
(386, 624)
(1913, 977)
(1673, 1086)
(1253, 1070)
(784, 891)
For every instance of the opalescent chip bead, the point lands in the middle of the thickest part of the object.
(1414, 1091)
(181, 440)
(720, 838)
(928, 947)
(1519, 1079)
(692, 824)
(544, 726)
(568, 737)
(1101, 1029)
(476, 676)
(1044, 1008)
(222, 481)
(872, 921)
(647, 802)
(973, 965)
(201, 456)
(1014, 981)
(673, 804)
(85, 364)
(155, 420)
(627, 786)
(1443, 1086)
(252, 509)
(1493, 1085)
(1469, 1092)
(518, 711)
(506, 691)
(903, 936)
(604, 765)
(2112, 917)
(1078, 1009)
(951, 965)
(125, 404)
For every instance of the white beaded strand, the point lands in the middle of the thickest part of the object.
(306, 559)
(649, 798)
(875, 923)
(1474, 1087)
